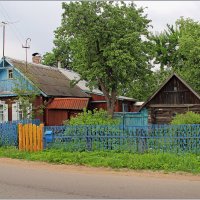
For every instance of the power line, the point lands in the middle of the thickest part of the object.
(17, 33)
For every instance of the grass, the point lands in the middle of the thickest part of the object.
(166, 162)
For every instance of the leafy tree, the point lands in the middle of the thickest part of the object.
(148, 84)
(102, 41)
(182, 54)
(26, 95)
(49, 59)
(166, 47)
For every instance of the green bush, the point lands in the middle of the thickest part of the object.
(92, 118)
(187, 118)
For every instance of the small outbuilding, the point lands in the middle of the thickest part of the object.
(173, 97)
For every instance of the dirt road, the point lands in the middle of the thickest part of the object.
(23, 179)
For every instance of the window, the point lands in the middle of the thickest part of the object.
(124, 107)
(10, 73)
(20, 113)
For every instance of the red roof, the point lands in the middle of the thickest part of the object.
(69, 103)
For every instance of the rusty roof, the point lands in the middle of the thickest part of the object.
(69, 103)
(48, 79)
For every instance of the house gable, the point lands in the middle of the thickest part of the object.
(173, 97)
(11, 78)
(174, 91)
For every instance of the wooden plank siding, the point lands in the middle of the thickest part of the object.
(175, 92)
(174, 97)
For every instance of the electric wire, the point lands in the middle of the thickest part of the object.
(16, 32)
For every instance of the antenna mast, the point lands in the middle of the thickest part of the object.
(26, 46)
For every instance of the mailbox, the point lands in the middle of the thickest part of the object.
(48, 136)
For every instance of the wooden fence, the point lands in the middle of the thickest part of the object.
(30, 137)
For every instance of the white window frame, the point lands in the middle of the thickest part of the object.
(10, 70)
(17, 112)
(4, 111)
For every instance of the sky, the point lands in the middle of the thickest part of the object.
(37, 20)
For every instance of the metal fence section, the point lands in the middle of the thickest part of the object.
(136, 139)
(9, 131)
(8, 134)
(24, 121)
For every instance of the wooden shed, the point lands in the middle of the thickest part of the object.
(174, 96)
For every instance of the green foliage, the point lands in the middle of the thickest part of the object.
(187, 118)
(49, 59)
(149, 161)
(26, 95)
(96, 117)
(178, 48)
(144, 87)
(102, 41)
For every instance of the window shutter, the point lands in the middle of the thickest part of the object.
(5, 112)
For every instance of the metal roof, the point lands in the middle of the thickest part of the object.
(48, 79)
(69, 103)
(70, 74)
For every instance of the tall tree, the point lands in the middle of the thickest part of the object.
(178, 48)
(103, 42)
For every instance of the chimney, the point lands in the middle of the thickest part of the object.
(59, 65)
(36, 58)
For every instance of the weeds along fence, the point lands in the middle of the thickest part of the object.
(136, 139)
(9, 131)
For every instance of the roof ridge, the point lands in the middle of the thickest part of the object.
(31, 63)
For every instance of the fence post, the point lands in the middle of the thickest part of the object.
(20, 136)
(30, 127)
(34, 137)
(41, 136)
(26, 137)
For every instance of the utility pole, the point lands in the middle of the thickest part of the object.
(4, 35)
(4, 31)
(26, 47)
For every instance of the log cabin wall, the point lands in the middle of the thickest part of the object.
(173, 98)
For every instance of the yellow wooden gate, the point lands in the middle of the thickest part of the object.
(30, 137)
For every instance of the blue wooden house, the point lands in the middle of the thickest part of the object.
(54, 92)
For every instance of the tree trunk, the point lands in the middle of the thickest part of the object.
(110, 98)
(111, 107)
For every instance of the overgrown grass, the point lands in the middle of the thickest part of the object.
(159, 161)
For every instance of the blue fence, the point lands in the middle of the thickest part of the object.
(137, 139)
(9, 133)
(132, 118)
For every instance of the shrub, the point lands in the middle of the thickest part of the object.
(187, 118)
(92, 118)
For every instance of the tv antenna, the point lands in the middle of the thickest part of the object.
(26, 47)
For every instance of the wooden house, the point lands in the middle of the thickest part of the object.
(97, 100)
(174, 96)
(59, 100)
(56, 97)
